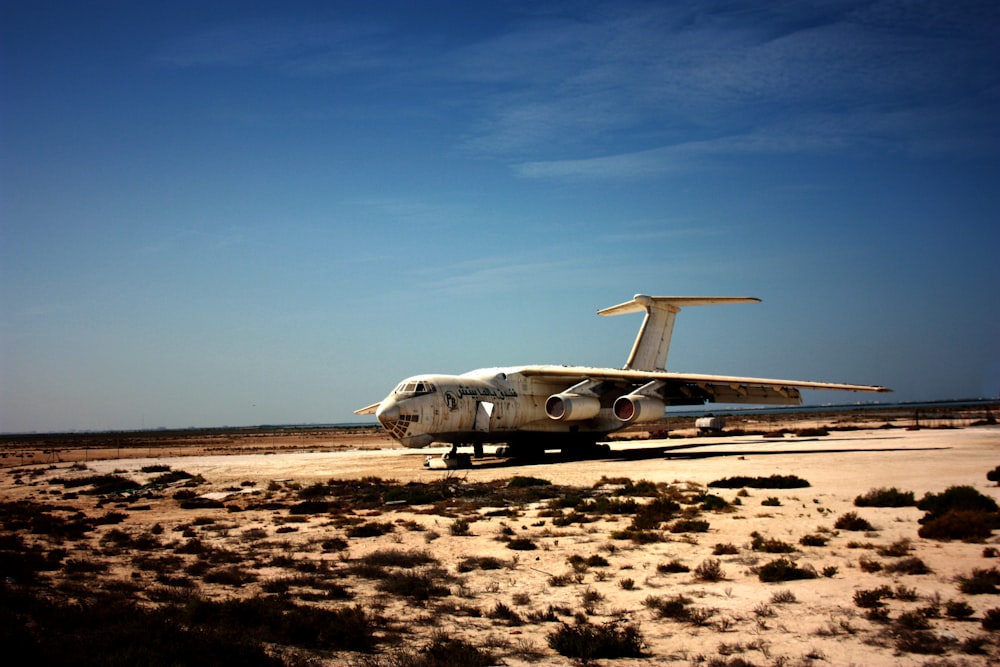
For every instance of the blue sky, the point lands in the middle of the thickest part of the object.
(236, 213)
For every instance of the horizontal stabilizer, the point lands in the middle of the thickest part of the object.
(641, 302)
(649, 353)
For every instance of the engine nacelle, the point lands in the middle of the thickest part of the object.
(572, 407)
(635, 408)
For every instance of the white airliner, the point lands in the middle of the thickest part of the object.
(532, 408)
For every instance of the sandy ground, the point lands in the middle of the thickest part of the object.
(821, 626)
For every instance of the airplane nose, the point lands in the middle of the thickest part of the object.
(387, 411)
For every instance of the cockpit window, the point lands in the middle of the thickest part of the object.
(415, 388)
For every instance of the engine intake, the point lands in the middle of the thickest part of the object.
(572, 407)
(635, 408)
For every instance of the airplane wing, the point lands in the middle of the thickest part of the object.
(696, 389)
(368, 410)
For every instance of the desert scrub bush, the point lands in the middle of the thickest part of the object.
(921, 641)
(654, 513)
(229, 576)
(769, 544)
(869, 565)
(643, 487)
(813, 540)
(502, 612)
(883, 497)
(589, 599)
(994, 475)
(311, 506)
(313, 491)
(420, 586)
(784, 597)
(851, 521)
(560, 580)
(332, 544)
(712, 503)
(673, 567)
(965, 525)
(522, 544)
(675, 607)
(958, 609)
(370, 529)
(637, 536)
(604, 505)
(909, 565)
(728, 549)
(772, 482)
(519, 482)
(872, 597)
(771, 501)
(991, 619)
(399, 558)
(689, 526)
(709, 570)
(77, 566)
(275, 620)
(980, 582)
(783, 569)
(459, 527)
(579, 563)
(470, 563)
(586, 641)
(959, 513)
(443, 650)
(897, 549)
(956, 498)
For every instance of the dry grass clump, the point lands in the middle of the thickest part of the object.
(772, 482)
(675, 566)
(587, 641)
(770, 545)
(909, 565)
(709, 570)
(851, 521)
(883, 497)
(442, 651)
(783, 569)
(980, 582)
(370, 529)
(470, 563)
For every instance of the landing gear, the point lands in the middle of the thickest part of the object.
(452, 459)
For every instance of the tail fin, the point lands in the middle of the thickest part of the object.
(649, 353)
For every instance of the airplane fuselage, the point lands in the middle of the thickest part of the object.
(483, 406)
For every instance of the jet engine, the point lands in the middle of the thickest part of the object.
(635, 408)
(572, 407)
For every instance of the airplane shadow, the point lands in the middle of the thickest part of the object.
(679, 452)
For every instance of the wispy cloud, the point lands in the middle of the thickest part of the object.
(293, 46)
(680, 75)
(627, 90)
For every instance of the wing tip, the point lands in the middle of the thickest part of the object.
(368, 409)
